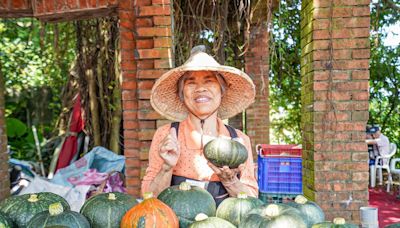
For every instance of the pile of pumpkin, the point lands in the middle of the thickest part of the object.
(177, 206)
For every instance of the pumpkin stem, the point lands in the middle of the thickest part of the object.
(242, 195)
(272, 210)
(184, 186)
(111, 196)
(56, 209)
(300, 199)
(147, 195)
(33, 198)
(201, 217)
(339, 221)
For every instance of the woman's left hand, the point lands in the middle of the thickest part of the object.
(225, 174)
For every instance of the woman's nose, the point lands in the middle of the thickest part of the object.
(200, 87)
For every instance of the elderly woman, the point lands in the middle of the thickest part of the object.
(198, 95)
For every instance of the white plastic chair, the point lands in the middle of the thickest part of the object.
(393, 168)
(382, 162)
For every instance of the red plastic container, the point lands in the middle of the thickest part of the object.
(266, 150)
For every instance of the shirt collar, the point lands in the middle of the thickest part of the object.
(192, 138)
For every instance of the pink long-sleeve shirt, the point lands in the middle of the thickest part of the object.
(192, 163)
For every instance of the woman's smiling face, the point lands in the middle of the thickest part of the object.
(202, 93)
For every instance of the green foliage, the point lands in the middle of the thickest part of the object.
(385, 74)
(285, 79)
(21, 140)
(35, 60)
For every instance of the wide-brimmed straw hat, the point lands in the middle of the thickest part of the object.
(239, 92)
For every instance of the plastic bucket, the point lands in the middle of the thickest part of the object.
(369, 217)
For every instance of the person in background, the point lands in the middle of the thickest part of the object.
(380, 143)
(199, 95)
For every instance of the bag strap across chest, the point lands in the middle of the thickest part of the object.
(231, 130)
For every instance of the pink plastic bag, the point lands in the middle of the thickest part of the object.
(90, 177)
(114, 184)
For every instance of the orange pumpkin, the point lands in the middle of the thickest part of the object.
(151, 212)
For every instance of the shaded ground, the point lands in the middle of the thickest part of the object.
(387, 203)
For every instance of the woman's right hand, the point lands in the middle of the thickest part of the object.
(169, 149)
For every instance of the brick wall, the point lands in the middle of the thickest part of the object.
(4, 182)
(64, 10)
(15, 8)
(257, 67)
(146, 42)
(335, 73)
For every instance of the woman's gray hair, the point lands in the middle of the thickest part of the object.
(181, 83)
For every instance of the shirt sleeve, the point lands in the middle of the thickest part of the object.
(247, 176)
(155, 161)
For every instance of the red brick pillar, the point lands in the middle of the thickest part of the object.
(334, 70)
(15, 8)
(146, 43)
(129, 96)
(257, 67)
(5, 180)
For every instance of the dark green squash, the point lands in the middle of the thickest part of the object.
(5, 222)
(203, 221)
(312, 212)
(225, 152)
(20, 209)
(57, 217)
(273, 216)
(107, 209)
(234, 209)
(394, 225)
(337, 223)
(187, 202)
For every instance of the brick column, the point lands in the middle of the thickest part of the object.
(146, 42)
(64, 10)
(335, 73)
(15, 8)
(257, 67)
(129, 96)
(5, 180)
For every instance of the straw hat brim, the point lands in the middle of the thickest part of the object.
(239, 94)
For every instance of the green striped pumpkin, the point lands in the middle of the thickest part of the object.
(234, 209)
(337, 223)
(20, 209)
(55, 216)
(107, 209)
(311, 211)
(187, 202)
(5, 222)
(203, 221)
(273, 216)
(225, 152)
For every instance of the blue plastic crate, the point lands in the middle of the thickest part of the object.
(280, 175)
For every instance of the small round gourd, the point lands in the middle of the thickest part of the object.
(225, 152)
(203, 221)
(273, 216)
(57, 217)
(107, 209)
(234, 209)
(312, 212)
(5, 222)
(187, 202)
(151, 212)
(20, 209)
(337, 223)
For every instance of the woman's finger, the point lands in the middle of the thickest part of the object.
(214, 168)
